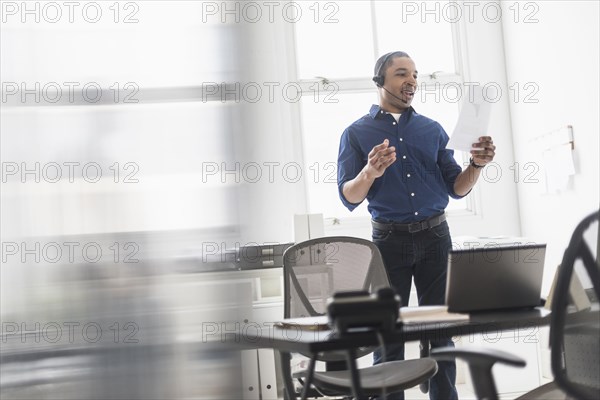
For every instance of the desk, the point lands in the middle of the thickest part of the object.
(296, 340)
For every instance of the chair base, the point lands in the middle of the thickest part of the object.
(394, 376)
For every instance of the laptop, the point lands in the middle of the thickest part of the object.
(495, 277)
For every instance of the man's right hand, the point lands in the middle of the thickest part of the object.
(380, 157)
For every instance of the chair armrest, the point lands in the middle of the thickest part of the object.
(481, 361)
(479, 355)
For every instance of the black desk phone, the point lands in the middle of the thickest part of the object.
(359, 310)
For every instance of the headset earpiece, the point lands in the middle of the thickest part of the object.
(378, 80)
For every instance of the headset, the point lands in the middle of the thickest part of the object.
(379, 78)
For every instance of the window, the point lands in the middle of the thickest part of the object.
(142, 124)
(334, 65)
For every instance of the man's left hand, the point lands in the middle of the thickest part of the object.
(483, 152)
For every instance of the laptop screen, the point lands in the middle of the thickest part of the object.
(495, 277)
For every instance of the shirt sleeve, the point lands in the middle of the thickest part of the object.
(448, 165)
(350, 163)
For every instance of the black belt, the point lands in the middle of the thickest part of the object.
(411, 228)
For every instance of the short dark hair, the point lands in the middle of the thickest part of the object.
(385, 61)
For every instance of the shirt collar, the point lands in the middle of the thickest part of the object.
(376, 111)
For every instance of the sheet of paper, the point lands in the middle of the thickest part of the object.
(473, 120)
(309, 323)
(423, 314)
(558, 163)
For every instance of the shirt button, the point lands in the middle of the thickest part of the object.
(416, 213)
(412, 194)
(400, 139)
(408, 175)
(404, 157)
(393, 123)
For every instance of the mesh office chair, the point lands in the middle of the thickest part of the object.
(316, 269)
(574, 329)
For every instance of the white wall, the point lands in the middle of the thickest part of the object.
(559, 54)
(266, 134)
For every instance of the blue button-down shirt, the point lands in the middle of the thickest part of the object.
(417, 185)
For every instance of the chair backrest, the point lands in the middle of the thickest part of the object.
(315, 269)
(575, 329)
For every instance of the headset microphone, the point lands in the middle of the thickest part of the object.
(378, 81)
(399, 98)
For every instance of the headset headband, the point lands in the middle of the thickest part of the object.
(379, 78)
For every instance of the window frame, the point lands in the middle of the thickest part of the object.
(426, 79)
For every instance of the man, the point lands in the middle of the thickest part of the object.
(397, 159)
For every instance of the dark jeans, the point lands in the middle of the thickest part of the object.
(424, 257)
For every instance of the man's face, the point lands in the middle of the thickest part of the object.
(401, 81)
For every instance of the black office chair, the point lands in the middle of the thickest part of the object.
(313, 271)
(574, 330)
